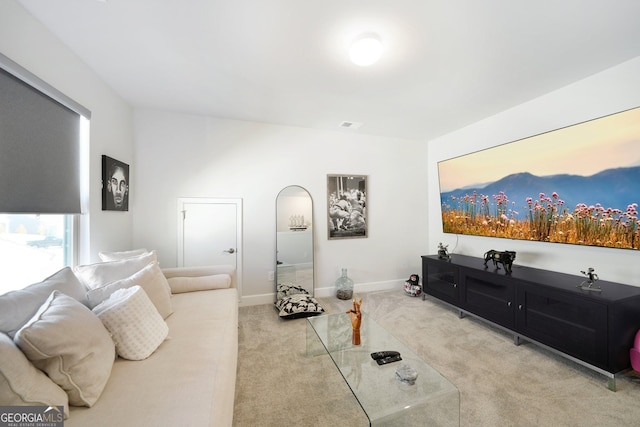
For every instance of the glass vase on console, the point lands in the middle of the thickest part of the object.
(344, 286)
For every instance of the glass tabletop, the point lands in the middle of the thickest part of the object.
(432, 400)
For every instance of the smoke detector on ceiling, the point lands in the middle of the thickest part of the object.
(350, 125)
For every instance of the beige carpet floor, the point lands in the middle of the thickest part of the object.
(500, 384)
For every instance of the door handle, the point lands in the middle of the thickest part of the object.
(230, 250)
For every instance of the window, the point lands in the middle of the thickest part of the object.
(43, 168)
(33, 247)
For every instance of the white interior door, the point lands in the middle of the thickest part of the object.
(210, 233)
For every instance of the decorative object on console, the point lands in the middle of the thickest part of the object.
(412, 286)
(406, 374)
(356, 321)
(590, 283)
(344, 286)
(505, 258)
(442, 252)
(518, 191)
(347, 206)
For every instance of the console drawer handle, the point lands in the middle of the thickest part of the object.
(509, 304)
(520, 307)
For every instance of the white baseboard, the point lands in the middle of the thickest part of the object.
(329, 291)
(261, 299)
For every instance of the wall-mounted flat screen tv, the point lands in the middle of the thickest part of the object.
(576, 185)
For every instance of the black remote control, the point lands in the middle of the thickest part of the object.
(389, 359)
(382, 354)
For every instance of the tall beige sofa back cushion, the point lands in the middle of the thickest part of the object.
(17, 307)
(99, 274)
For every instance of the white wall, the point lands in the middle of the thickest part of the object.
(605, 93)
(27, 42)
(179, 155)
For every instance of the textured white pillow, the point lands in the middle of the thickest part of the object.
(17, 307)
(150, 278)
(180, 285)
(71, 345)
(115, 256)
(135, 325)
(21, 384)
(101, 273)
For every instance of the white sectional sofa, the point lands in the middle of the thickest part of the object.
(188, 379)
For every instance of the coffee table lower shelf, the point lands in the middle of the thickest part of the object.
(386, 401)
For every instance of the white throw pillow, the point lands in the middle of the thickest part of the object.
(99, 274)
(71, 345)
(115, 256)
(18, 307)
(150, 278)
(134, 323)
(21, 384)
(180, 285)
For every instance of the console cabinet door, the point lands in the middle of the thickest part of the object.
(573, 325)
(440, 279)
(489, 295)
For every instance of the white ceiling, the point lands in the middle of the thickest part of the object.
(447, 63)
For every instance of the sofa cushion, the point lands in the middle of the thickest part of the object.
(134, 323)
(149, 278)
(22, 384)
(18, 307)
(71, 345)
(101, 273)
(190, 379)
(115, 256)
(298, 305)
(202, 283)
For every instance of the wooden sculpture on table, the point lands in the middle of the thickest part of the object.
(356, 321)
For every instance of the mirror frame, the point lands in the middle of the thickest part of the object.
(294, 226)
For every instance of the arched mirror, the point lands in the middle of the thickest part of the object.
(294, 238)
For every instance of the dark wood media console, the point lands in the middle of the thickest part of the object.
(593, 328)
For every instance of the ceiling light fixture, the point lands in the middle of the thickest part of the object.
(366, 49)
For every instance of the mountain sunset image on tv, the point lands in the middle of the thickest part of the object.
(576, 185)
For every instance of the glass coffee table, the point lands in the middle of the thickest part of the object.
(432, 400)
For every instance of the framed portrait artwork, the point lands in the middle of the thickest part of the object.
(347, 206)
(115, 185)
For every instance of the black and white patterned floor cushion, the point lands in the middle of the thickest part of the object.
(298, 305)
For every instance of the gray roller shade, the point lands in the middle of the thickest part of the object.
(39, 151)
